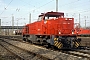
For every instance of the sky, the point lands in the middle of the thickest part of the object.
(21, 9)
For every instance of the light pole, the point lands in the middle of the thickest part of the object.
(12, 24)
(0, 26)
(30, 18)
(79, 21)
(85, 21)
(56, 5)
(17, 24)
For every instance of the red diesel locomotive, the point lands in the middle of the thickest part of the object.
(52, 29)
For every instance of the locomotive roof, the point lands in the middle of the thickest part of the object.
(52, 14)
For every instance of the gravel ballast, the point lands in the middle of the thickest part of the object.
(55, 55)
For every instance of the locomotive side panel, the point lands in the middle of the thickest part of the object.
(50, 27)
(32, 28)
(35, 28)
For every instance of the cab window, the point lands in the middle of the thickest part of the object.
(40, 18)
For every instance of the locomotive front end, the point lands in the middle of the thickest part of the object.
(65, 37)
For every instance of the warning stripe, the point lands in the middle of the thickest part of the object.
(58, 44)
(55, 39)
(79, 43)
(76, 44)
(55, 43)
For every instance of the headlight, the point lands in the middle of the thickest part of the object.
(73, 31)
(59, 32)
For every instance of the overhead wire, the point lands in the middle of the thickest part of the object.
(62, 5)
(33, 6)
(6, 7)
(80, 11)
(69, 3)
(44, 5)
(39, 6)
(26, 3)
(33, 10)
(49, 2)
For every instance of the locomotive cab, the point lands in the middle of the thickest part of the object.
(50, 15)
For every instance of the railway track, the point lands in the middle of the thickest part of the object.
(75, 55)
(81, 54)
(22, 54)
